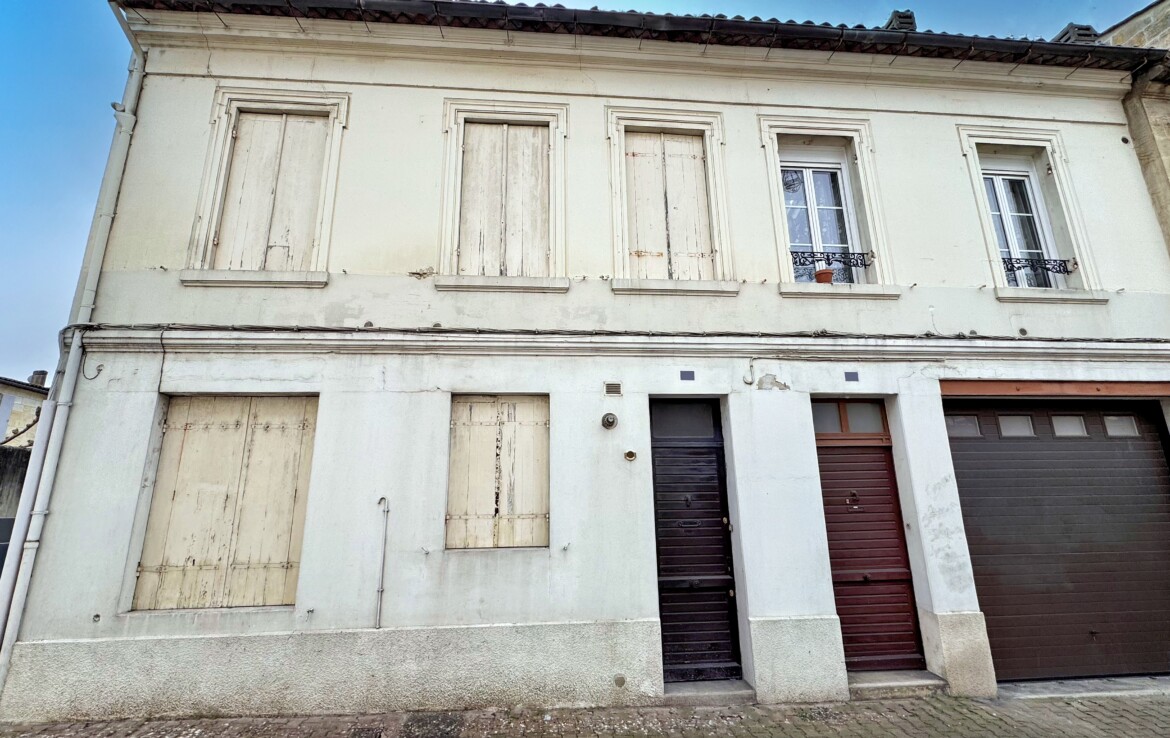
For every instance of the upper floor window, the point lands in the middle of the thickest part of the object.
(824, 200)
(267, 201)
(821, 221)
(1033, 232)
(1021, 228)
(504, 202)
(669, 225)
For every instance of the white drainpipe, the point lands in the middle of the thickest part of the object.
(42, 469)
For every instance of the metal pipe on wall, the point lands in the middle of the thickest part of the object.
(42, 472)
(385, 505)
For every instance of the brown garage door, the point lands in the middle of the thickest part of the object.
(1067, 512)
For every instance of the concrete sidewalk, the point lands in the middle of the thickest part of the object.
(1100, 717)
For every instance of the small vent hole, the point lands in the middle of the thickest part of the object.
(613, 388)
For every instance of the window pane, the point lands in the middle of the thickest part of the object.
(826, 418)
(1015, 426)
(1001, 235)
(682, 420)
(827, 186)
(832, 226)
(963, 426)
(1121, 426)
(992, 197)
(864, 417)
(1017, 194)
(793, 180)
(1068, 426)
(1027, 237)
(799, 231)
(803, 273)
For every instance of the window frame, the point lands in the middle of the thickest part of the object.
(710, 126)
(230, 102)
(1051, 145)
(825, 159)
(1000, 168)
(456, 114)
(861, 175)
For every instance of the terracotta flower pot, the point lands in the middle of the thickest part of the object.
(823, 276)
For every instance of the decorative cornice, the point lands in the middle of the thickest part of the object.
(798, 347)
(502, 47)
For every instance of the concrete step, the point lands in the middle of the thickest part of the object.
(709, 694)
(893, 685)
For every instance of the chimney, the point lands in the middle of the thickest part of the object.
(901, 20)
(38, 377)
(1076, 33)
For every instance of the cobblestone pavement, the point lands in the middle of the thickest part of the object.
(1106, 717)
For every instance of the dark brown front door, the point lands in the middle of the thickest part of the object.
(696, 588)
(1066, 505)
(867, 544)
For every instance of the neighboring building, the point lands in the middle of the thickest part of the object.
(1148, 104)
(20, 405)
(457, 354)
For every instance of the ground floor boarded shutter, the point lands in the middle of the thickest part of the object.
(499, 478)
(228, 509)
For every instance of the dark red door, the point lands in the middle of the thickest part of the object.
(696, 588)
(867, 546)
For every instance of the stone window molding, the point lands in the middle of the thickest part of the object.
(230, 102)
(710, 126)
(866, 202)
(1064, 213)
(456, 114)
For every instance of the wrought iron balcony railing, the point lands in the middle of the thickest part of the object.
(813, 258)
(1053, 266)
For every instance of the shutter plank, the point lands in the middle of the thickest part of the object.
(472, 485)
(293, 230)
(481, 203)
(301, 499)
(688, 216)
(526, 239)
(646, 205)
(251, 184)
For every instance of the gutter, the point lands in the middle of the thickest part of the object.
(37, 491)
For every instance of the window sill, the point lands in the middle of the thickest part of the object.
(843, 291)
(470, 283)
(233, 278)
(673, 287)
(1045, 294)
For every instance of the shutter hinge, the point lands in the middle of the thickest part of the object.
(234, 130)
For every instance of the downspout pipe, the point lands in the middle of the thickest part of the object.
(42, 471)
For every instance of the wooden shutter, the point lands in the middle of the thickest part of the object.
(272, 198)
(228, 510)
(667, 207)
(504, 200)
(498, 486)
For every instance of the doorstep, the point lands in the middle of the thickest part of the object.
(893, 685)
(1134, 686)
(721, 693)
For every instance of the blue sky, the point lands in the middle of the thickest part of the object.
(66, 67)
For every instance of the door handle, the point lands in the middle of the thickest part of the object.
(689, 523)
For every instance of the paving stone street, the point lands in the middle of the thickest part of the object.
(1100, 717)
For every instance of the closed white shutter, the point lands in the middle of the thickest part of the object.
(273, 192)
(504, 200)
(227, 514)
(499, 477)
(667, 206)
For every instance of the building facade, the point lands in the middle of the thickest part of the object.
(458, 354)
(20, 404)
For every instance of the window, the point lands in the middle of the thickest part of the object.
(228, 509)
(1033, 231)
(1016, 426)
(1121, 426)
(1024, 244)
(822, 181)
(497, 492)
(1068, 426)
(270, 204)
(265, 213)
(668, 207)
(854, 417)
(504, 201)
(669, 225)
(963, 426)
